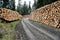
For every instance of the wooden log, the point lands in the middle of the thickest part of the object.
(49, 14)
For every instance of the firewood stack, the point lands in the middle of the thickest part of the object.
(49, 14)
(9, 15)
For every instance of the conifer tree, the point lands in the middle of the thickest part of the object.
(40, 3)
(24, 9)
(29, 7)
(19, 6)
(35, 5)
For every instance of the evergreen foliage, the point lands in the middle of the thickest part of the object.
(29, 7)
(10, 4)
(24, 9)
(40, 3)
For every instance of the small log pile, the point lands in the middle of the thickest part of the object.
(49, 14)
(9, 15)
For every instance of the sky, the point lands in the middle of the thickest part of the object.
(22, 2)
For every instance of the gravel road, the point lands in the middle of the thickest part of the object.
(20, 33)
(29, 30)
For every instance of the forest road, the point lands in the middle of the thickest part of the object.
(29, 30)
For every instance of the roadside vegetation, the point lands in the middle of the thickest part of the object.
(7, 30)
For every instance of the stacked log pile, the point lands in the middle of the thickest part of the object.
(9, 15)
(49, 14)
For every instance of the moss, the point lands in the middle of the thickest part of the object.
(9, 30)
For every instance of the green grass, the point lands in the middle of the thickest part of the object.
(8, 30)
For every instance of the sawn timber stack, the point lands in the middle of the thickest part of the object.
(49, 14)
(9, 15)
